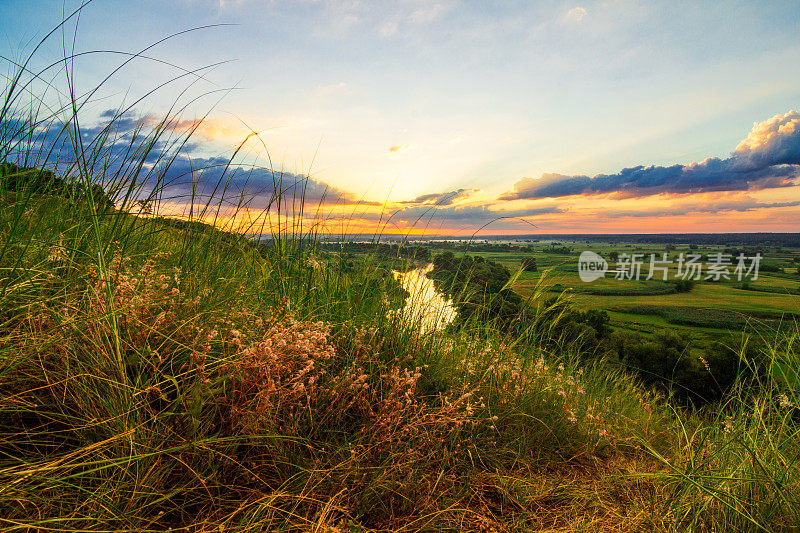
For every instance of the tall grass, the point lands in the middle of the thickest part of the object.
(740, 469)
(168, 373)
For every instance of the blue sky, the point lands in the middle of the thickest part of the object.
(402, 100)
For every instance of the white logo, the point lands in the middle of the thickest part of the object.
(591, 266)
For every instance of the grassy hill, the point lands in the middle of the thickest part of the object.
(156, 376)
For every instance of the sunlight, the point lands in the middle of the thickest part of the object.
(424, 305)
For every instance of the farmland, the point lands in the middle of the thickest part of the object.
(710, 310)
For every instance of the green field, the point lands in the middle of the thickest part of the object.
(709, 309)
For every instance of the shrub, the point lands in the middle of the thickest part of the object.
(27, 180)
(684, 285)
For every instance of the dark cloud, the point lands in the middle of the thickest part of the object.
(768, 158)
(125, 148)
(712, 207)
(445, 198)
(257, 186)
(476, 214)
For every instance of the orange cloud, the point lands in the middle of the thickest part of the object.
(211, 129)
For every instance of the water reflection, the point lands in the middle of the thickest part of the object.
(425, 306)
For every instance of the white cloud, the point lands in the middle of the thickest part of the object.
(770, 132)
(428, 14)
(321, 91)
(576, 13)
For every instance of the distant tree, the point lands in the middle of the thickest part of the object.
(145, 206)
(669, 247)
(613, 255)
(599, 320)
(693, 247)
(102, 201)
(684, 285)
(31, 180)
(767, 267)
(559, 250)
(478, 285)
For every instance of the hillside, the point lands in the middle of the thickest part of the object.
(156, 376)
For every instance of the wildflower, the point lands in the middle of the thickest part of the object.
(728, 425)
(784, 401)
(57, 252)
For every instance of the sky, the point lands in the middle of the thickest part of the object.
(456, 117)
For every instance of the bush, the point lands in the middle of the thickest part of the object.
(478, 288)
(669, 361)
(37, 181)
(683, 285)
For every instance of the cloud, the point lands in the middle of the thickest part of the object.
(576, 13)
(775, 141)
(768, 158)
(217, 177)
(445, 198)
(322, 91)
(154, 154)
(208, 128)
(428, 14)
(739, 206)
(400, 148)
(226, 3)
(475, 214)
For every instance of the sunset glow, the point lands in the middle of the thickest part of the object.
(452, 117)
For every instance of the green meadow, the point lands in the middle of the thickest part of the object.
(771, 296)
